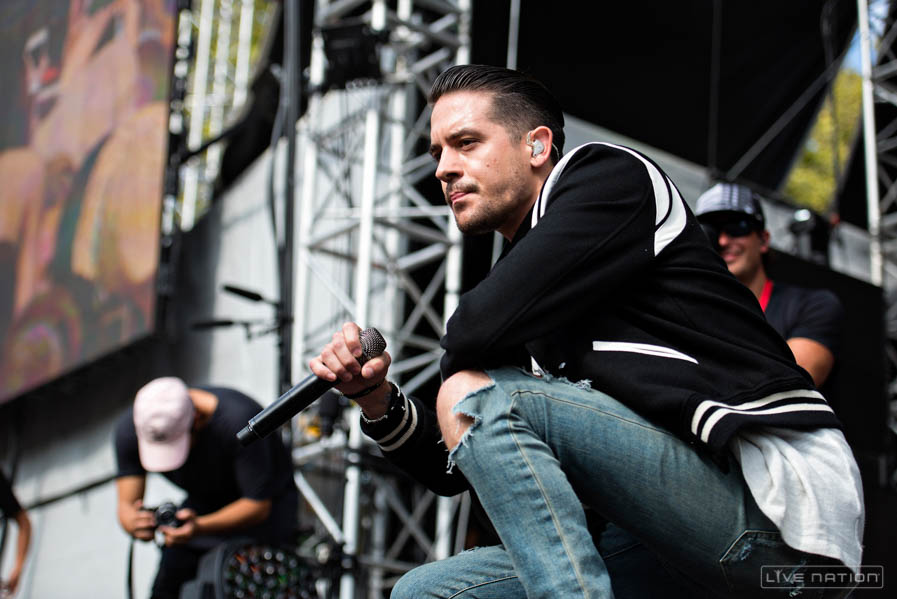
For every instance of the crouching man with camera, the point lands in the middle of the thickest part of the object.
(188, 435)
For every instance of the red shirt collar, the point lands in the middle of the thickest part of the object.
(764, 295)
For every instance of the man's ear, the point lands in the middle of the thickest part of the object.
(540, 140)
(764, 237)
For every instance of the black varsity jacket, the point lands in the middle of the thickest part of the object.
(613, 281)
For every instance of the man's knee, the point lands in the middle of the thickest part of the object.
(453, 390)
(415, 584)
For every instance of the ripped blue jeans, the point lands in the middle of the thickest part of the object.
(541, 448)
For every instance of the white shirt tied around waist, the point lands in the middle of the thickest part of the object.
(808, 484)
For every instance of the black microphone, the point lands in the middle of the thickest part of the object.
(304, 394)
(246, 293)
(211, 324)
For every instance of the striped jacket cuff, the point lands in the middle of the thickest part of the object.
(398, 424)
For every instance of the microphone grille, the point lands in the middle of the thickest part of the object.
(372, 344)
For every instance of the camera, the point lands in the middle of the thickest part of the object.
(165, 514)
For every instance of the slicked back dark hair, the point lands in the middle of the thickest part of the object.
(519, 102)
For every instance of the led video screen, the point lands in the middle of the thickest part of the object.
(83, 147)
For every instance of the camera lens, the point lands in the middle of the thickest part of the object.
(165, 515)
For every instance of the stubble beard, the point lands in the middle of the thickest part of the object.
(493, 208)
(486, 218)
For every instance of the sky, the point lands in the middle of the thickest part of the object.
(877, 11)
(852, 59)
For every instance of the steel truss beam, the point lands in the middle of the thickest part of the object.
(880, 145)
(223, 36)
(371, 248)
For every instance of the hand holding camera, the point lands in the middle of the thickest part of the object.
(171, 524)
(165, 514)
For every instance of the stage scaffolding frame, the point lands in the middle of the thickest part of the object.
(877, 27)
(220, 38)
(369, 246)
(372, 249)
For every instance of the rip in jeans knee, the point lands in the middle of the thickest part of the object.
(458, 408)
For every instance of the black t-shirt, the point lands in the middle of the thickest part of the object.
(815, 314)
(219, 470)
(9, 505)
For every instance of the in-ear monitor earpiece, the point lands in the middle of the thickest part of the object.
(537, 146)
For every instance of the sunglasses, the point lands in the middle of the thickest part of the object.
(732, 228)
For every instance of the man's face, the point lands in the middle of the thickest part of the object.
(741, 245)
(486, 176)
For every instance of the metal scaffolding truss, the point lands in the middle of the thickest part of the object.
(876, 22)
(217, 40)
(371, 248)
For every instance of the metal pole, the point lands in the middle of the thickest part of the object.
(362, 297)
(220, 77)
(873, 209)
(307, 202)
(362, 292)
(393, 303)
(511, 63)
(400, 98)
(291, 99)
(244, 49)
(513, 33)
(378, 542)
(713, 113)
(444, 510)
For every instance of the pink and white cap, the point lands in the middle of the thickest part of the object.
(163, 419)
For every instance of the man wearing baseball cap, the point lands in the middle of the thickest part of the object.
(188, 435)
(810, 320)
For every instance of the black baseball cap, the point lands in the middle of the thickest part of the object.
(730, 200)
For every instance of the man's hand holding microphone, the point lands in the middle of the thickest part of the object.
(341, 363)
(354, 362)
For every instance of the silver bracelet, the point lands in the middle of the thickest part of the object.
(393, 397)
